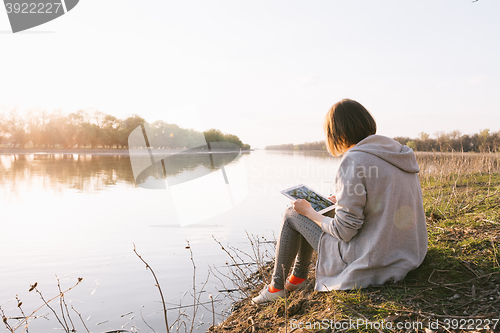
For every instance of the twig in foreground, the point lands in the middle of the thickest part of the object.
(213, 310)
(33, 287)
(152, 329)
(19, 303)
(4, 319)
(66, 329)
(62, 302)
(79, 315)
(158, 286)
(194, 286)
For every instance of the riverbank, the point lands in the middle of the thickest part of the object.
(457, 287)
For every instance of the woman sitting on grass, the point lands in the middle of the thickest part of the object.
(377, 232)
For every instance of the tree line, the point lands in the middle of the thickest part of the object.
(93, 129)
(455, 141)
(318, 145)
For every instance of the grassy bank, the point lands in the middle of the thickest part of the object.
(457, 288)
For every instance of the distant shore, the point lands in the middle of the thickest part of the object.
(416, 152)
(83, 151)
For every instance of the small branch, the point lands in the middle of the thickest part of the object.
(79, 315)
(223, 283)
(213, 310)
(66, 307)
(4, 319)
(485, 220)
(244, 276)
(186, 306)
(158, 286)
(61, 302)
(466, 264)
(146, 322)
(194, 286)
(19, 303)
(53, 311)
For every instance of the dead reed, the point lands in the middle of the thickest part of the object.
(458, 183)
(244, 271)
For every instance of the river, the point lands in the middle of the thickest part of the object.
(79, 215)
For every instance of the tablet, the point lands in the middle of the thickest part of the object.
(318, 202)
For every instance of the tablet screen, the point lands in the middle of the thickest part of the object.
(317, 202)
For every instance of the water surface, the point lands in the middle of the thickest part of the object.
(78, 215)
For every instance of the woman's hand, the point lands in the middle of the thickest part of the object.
(301, 206)
(333, 199)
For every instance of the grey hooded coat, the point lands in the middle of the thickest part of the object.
(378, 232)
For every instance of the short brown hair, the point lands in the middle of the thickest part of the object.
(347, 123)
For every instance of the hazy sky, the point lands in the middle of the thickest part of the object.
(267, 71)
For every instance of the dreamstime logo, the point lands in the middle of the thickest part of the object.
(26, 14)
(204, 179)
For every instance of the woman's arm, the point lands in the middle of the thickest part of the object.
(349, 214)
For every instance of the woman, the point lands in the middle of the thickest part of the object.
(377, 232)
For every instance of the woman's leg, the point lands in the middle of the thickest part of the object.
(298, 239)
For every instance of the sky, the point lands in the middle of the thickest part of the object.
(266, 71)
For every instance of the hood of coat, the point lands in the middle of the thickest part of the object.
(389, 150)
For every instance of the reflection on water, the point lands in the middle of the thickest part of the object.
(189, 165)
(88, 173)
(61, 171)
